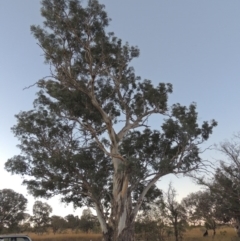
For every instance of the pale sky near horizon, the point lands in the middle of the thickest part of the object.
(195, 45)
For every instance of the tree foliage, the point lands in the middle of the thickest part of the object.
(87, 137)
(175, 213)
(219, 203)
(225, 185)
(58, 224)
(200, 206)
(88, 222)
(226, 182)
(72, 222)
(12, 208)
(151, 223)
(25, 224)
(41, 216)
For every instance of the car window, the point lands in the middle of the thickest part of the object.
(22, 239)
(5, 239)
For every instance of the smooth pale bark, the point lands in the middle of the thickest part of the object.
(101, 220)
(120, 226)
(121, 207)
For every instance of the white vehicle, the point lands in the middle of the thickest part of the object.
(14, 237)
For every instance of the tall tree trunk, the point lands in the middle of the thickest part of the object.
(122, 205)
(119, 226)
(126, 235)
(121, 218)
(108, 236)
(116, 233)
(175, 224)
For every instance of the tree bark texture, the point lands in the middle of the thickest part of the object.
(120, 223)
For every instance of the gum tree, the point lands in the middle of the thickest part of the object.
(175, 213)
(87, 137)
(41, 216)
(225, 185)
(12, 208)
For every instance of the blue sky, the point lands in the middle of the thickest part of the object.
(195, 45)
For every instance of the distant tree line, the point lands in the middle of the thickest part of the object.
(13, 217)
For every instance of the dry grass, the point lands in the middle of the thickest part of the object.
(193, 234)
(222, 234)
(66, 237)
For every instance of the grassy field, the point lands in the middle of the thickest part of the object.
(66, 237)
(194, 234)
(222, 234)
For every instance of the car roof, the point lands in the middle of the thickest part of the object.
(13, 235)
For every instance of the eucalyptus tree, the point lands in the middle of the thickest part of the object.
(175, 213)
(12, 208)
(151, 223)
(87, 137)
(58, 224)
(72, 222)
(88, 221)
(225, 186)
(220, 201)
(202, 206)
(199, 206)
(41, 216)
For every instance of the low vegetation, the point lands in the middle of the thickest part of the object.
(67, 236)
(225, 233)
